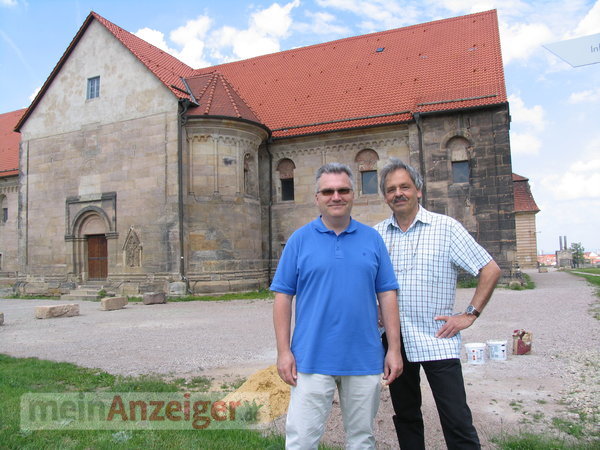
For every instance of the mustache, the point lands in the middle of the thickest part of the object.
(400, 198)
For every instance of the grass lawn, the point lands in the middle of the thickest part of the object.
(31, 375)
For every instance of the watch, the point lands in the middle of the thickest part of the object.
(471, 311)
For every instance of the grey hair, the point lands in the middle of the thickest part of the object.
(397, 164)
(334, 167)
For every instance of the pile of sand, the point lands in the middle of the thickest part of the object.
(267, 389)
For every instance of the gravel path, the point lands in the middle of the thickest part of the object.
(234, 339)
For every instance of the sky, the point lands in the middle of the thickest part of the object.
(555, 108)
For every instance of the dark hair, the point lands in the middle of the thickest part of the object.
(397, 164)
(334, 167)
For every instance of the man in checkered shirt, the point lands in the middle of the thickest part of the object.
(427, 249)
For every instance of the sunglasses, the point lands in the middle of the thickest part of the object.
(330, 192)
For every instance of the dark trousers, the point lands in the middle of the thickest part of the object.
(447, 385)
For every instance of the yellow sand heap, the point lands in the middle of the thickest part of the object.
(267, 389)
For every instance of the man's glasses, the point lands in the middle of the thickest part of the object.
(330, 192)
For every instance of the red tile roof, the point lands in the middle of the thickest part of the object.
(375, 79)
(447, 64)
(524, 201)
(9, 143)
(165, 67)
(215, 96)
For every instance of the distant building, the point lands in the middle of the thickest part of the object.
(525, 211)
(139, 171)
(9, 192)
(547, 260)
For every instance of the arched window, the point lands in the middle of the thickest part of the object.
(458, 147)
(3, 209)
(367, 167)
(286, 176)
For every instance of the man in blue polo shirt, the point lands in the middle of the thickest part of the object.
(339, 270)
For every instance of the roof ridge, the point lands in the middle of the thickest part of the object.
(226, 86)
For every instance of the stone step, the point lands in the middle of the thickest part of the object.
(80, 294)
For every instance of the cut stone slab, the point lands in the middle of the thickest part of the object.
(154, 298)
(1, 318)
(49, 312)
(112, 303)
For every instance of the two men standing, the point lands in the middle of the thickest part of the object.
(336, 267)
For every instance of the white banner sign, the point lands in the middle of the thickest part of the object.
(579, 51)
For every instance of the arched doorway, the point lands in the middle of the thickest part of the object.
(90, 249)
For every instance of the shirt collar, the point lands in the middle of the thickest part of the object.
(422, 216)
(320, 226)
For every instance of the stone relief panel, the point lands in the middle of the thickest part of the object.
(132, 249)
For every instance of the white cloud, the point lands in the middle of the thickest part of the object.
(156, 38)
(524, 144)
(520, 40)
(9, 3)
(588, 96)
(198, 43)
(581, 180)
(521, 115)
(34, 93)
(590, 24)
(322, 23)
(377, 14)
(524, 118)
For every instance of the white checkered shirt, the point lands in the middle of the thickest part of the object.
(426, 259)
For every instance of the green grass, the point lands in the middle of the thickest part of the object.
(527, 283)
(262, 294)
(30, 375)
(530, 441)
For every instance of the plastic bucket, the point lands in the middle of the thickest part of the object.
(497, 350)
(475, 353)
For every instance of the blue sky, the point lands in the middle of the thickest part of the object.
(555, 108)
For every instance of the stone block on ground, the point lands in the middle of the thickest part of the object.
(49, 312)
(154, 298)
(112, 303)
(177, 288)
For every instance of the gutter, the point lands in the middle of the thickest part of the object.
(181, 121)
(269, 210)
(419, 122)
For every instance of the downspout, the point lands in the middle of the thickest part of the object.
(181, 120)
(418, 121)
(269, 208)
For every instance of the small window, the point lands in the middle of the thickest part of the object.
(287, 189)
(369, 181)
(4, 215)
(366, 161)
(460, 172)
(93, 88)
(286, 177)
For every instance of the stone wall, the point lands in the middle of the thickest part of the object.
(526, 240)
(308, 154)
(8, 228)
(104, 166)
(223, 215)
(485, 203)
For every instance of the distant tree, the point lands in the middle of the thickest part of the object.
(577, 250)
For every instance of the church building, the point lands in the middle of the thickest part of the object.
(145, 174)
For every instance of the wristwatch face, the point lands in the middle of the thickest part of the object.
(471, 310)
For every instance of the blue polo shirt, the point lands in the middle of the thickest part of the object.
(335, 279)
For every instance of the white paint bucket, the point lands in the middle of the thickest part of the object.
(497, 350)
(475, 353)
